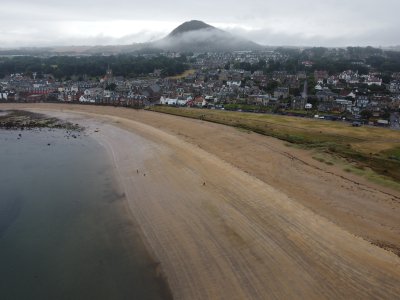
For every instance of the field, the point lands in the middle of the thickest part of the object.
(184, 74)
(365, 148)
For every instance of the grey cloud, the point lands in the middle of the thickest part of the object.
(373, 37)
(287, 22)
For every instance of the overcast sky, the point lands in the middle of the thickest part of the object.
(284, 22)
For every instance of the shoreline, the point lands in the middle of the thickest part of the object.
(237, 236)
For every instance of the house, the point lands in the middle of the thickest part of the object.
(259, 99)
(326, 95)
(85, 99)
(343, 105)
(232, 83)
(281, 93)
(198, 101)
(320, 75)
(394, 87)
(350, 77)
(351, 95)
(362, 102)
(3, 95)
(318, 87)
(299, 103)
(153, 92)
(93, 92)
(333, 80)
(279, 76)
(307, 63)
(211, 99)
(273, 102)
(134, 99)
(168, 101)
(372, 80)
(301, 75)
(182, 101)
(12, 96)
(92, 95)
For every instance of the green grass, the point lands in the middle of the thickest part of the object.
(393, 153)
(247, 107)
(375, 148)
(325, 158)
(356, 168)
(372, 176)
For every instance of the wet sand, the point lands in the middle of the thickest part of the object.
(230, 215)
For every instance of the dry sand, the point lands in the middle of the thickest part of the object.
(233, 215)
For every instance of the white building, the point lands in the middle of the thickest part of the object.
(168, 101)
(371, 80)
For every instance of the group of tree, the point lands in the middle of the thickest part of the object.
(333, 60)
(62, 67)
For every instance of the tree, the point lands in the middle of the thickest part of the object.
(92, 66)
(111, 87)
(311, 85)
(386, 114)
(386, 78)
(366, 114)
(261, 64)
(377, 88)
(296, 92)
(272, 85)
(313, 101)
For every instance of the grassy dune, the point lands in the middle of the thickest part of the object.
(184, 74)
(374, 148)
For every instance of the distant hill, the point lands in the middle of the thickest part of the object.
(197, 36)
(190, 26)
(393, 48)
(192, 36)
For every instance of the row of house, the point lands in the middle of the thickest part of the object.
(211, 84)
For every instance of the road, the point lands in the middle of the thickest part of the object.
(394, 120)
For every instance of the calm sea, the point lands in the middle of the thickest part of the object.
(64, 228)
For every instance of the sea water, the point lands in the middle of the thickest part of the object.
(65, 229)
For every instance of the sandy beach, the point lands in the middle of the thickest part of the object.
(235, 215)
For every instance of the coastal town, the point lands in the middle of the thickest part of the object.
(255, 157)
(241, 80)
